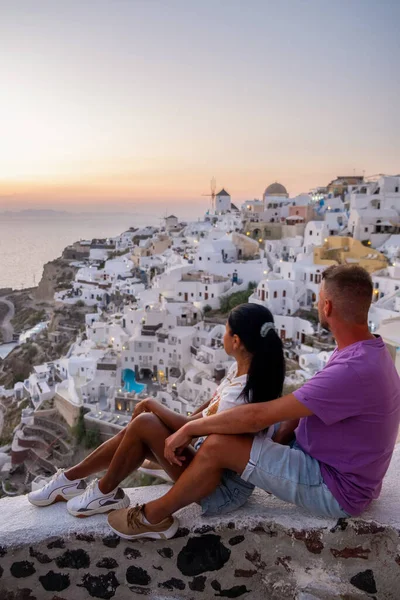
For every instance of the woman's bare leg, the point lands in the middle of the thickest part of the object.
(145, 433)
(98, 460)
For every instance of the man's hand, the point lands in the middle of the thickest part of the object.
(175, 444)
(143, 406)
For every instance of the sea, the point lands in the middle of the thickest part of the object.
(29, 240)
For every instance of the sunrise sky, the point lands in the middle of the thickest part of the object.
(123, 102)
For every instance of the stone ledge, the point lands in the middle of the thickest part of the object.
(268, 549)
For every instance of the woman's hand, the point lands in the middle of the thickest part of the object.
(143, 406)
(176, 443)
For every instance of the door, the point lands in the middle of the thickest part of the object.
(283, 335)
(186, 296)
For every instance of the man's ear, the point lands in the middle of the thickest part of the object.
(328, 308)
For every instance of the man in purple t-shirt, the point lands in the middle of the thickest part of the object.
(337, 432)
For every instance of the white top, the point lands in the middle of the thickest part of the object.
(228, 395)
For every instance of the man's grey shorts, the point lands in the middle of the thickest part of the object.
(290, 474)
(287, 472)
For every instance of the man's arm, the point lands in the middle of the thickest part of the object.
(248, 418)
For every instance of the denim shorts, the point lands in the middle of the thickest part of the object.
(291, 475)
(231, 493)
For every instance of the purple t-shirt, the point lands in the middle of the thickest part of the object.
(355, 402)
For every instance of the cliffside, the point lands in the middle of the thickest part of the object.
(57, 275)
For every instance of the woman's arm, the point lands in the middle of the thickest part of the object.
(199, 410)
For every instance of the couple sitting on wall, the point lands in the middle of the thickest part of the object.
(326, 447)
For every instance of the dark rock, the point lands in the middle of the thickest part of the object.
(173, 584)
(73, 559)
(233, 592)
(341, 525)
(258, 529)
(19, 594)
(204, 529)
(231, 525)
(201, 554)
(137, 576)
(158, 568)
(44, 559)
(182, 532)
(245, 573)
(24, 568)
(54, 582)
(3, 551)
(216, 585)
(312, 540)
(139, 591)
(1, 571)
(356, 552)
(132, 553)
(84, 537)
(107, 563)
(100, 586)
(111, 541)
(238, 539)
(255, 559)
(166, 552)
(198, 584)
(364, 528)
(364, 581)
(57, 598)
(57, 543)
(397, 559)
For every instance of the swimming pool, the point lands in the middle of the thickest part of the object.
(130, 383)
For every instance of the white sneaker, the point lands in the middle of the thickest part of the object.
(93, 501)
(155, 470)
(58, 489)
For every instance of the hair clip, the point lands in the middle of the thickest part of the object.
(266, 327)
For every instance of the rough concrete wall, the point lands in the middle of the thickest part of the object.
(353, 559)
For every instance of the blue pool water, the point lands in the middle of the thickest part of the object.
(130, 383)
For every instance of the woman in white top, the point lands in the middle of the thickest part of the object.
(256, 376)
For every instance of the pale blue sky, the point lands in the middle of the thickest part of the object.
(132, 100)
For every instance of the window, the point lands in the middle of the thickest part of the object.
(192, 295)
(180, 294)
(126, 359)
(311, 277)
(275, 294)
(206, 287)
(396, 189)
(310, 232)
(284, 295)
(365, 229)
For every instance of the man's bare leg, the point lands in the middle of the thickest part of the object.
(203, 475)
(146, 433)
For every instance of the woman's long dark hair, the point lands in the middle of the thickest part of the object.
(267, 368)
